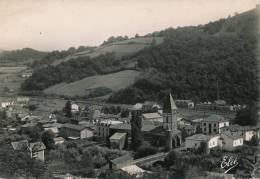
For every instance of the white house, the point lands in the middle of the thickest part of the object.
(7, 104)
(246, 131)
(230, 142)
(213, 124)
(194, 141)
(74, 108)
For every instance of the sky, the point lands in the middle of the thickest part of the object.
(59, 24)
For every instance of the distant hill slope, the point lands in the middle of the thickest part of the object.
(113, 81)
(120, 49)
(19, 56)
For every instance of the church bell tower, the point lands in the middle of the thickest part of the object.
(169, 114)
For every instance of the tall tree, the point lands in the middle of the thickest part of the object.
(47, 139)
(67, 109)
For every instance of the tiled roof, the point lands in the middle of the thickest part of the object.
(122, 159)
(215, 118)
(73, 126)
(123, 126)
(233, 136)
(200, 137)
(152, 115)
(18, 145)
(148, 127)
(56, 139)
(117, 136)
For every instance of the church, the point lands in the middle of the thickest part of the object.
(166, 135)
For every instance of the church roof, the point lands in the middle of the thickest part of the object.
(169, 104)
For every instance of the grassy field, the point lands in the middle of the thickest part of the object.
(10, 78)
(120, 49)
(114, 81)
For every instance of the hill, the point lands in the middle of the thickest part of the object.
(119, 48)
(192, 60)
(89, 85)
(21, 56)
(188, 61)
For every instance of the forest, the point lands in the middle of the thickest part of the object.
(194, 62)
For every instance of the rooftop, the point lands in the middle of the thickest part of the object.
(233, 136)
(200, 137)
(123, 126)
(215, 118)
(117, 136)
(18, 145)
(151, 115)
(111, 122)
(73, 126)
(122, 159)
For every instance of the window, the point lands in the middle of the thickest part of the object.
(205, 129)
(215, 125)
(215, 130)
(205, 124)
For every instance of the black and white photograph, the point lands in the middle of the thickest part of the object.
(129, 89)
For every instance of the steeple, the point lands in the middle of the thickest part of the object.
(169, 105)
(169, 114)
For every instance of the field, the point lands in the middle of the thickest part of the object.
(114, 81)
(10, 79)
(120, 49)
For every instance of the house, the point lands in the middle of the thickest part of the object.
(194, 141)
(102, 128)
(20, 145)
(74, 108)
(26, 75)
(37, 150)
(76, 131)
(230, 141)
(246, 131)
(189, 129)
(53, 129)
(7, 104)
(121, 128)
(213, 124)
(121, 162)
(185, 103)
(23, 100)
(150, 106)
(58, 140)
(154, 117)
(118, 140)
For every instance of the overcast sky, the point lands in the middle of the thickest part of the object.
(60, 24)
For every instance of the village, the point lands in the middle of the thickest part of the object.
(174, 125)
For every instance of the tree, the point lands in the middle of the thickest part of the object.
(47, 139)
(254, 141)
(67, 109)
(145, 150)
(247, 116)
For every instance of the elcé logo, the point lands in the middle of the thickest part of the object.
(228, 162)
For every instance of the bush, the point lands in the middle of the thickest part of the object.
(145, 150)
